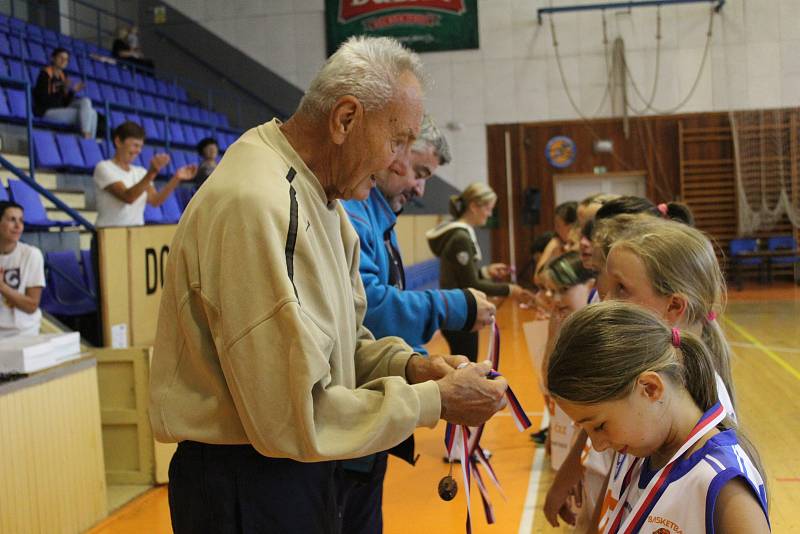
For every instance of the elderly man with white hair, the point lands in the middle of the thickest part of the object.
(263, 371)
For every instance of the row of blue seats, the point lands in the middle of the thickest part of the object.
(179, 133)
(12, 107)
(101, 92)
(70, 152)
(14, 26)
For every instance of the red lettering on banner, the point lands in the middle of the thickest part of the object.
(352, 9)
(402, 19)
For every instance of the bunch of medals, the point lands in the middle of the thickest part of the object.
(465, 442)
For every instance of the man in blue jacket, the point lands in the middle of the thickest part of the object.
(391, 310)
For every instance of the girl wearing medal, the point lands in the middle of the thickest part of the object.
(672, 270)
(648, 391)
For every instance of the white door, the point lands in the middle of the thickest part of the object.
(579, 187)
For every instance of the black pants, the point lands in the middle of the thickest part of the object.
(463, 343)
(232, 489)
(362, 498)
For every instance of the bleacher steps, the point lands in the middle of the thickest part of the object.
(86, 240)
(58, 215)
(72, 199)
(18, 161)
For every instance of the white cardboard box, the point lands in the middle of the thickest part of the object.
(26, 354)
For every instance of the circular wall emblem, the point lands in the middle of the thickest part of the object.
(560, 151)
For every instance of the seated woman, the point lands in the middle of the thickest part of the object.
(21, 276)
(54, 97)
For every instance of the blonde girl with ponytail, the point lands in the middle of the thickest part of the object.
(648, 391)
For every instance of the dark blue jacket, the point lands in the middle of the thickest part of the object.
(412, 315)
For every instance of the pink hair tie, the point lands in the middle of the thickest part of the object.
(663, 209)
(676, 338)
(711, 317)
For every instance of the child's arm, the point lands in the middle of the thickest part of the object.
(567, 477)
(598, 506)
(737, 511)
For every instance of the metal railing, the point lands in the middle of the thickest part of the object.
(621, 5)
(46, 193)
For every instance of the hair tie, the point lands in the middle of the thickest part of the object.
(711, 317)
(663, 209)
(676, 338)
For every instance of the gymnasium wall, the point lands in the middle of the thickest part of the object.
(753, 61)
(688, 157)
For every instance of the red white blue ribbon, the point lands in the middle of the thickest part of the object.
(467, 441)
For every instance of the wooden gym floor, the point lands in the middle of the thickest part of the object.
(763, 325)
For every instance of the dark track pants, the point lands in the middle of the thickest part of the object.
(362, 497)
(232, 489)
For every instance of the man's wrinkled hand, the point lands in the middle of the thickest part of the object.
(420, 369)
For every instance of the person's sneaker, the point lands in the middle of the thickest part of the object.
(540, 437)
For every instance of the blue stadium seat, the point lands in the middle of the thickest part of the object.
(33, 73)
(127, 78)
(189, 134)
(150, 84)
(36, 53)
(178, 158)
(3, 192)
(71, 155)
(86, 66)
(154, 128)
(35, 214)
(146, 155)
(89, 276)
(108, 92)
(66, 292)
(113, 74)
(92, 155)
(194, 114)
(170, 209)
(16, 47)
(5, 46)
(161, 106)
(93, 91)
(183, 194)
(149, 103)
(45, 151)
(136, 100)
(176, 133)
(16, 70)
(16, 103)
(117, 118)
(122, 96)
(5, 110)
(100, 70)
(153, 215)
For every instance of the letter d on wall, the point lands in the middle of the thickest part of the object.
(151, 270)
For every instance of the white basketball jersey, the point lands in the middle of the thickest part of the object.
(679, 500)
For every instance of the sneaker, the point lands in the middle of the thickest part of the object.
(540, 437)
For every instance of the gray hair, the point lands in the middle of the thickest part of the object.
(364, 67)
(430, 135)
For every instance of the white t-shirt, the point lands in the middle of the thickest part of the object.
(110, 210)
(22, 268)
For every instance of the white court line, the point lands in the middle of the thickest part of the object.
(529, 508)
(751, 346)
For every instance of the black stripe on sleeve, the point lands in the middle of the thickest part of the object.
(291, 238)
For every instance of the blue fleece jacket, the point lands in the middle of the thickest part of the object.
(412, 315)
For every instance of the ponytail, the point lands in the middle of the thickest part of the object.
(476, 192)
(714, 339)
(456, 206)
(700, 362)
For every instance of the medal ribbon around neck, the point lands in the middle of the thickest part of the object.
(467, 441)
(658, 484)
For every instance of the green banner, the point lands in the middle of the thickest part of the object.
(422, 25)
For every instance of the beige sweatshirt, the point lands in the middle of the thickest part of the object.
(260, 337)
